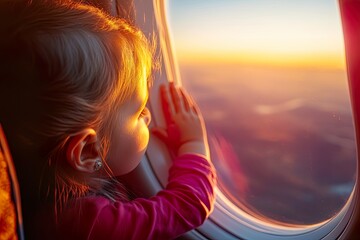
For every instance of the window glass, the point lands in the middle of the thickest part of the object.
(270, 79)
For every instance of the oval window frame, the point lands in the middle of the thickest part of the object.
(227, 221)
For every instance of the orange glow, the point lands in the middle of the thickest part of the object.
(7, 209)
(290, 33)
(305, 60)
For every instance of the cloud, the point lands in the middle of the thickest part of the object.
(278, 108)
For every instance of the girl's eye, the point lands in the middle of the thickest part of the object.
(144, 112)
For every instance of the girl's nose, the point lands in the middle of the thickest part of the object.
(147, 116)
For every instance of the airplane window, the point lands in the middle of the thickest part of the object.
(270, 79)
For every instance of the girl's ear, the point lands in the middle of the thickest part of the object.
(82, 151)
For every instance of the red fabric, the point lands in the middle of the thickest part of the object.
(185, 204)
(8, 217)
(350, 12)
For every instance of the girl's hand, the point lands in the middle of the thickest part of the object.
(185, 129)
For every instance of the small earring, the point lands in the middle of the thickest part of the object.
(97, 165)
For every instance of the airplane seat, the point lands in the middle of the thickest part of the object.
(10, 203)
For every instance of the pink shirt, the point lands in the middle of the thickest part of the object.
(183, 205)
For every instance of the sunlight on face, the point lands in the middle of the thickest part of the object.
(131, 134)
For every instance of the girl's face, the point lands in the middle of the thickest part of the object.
(131, 134)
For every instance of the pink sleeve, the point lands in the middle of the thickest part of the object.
(183, 205)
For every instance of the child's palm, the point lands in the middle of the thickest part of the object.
(183, 119)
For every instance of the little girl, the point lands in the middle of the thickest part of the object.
(73, 90)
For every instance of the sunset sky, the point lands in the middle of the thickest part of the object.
(270, 32)
(269, 77)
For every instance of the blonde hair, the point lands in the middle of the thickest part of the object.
(74, 66)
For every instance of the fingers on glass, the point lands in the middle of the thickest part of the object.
(177, 98)
(187, 101)
(167, 105)
(195, 107)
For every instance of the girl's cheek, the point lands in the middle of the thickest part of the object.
(143, 139)
(137, 136)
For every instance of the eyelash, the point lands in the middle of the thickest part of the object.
(143, 112)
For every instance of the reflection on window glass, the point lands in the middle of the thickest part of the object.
(270, 79)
